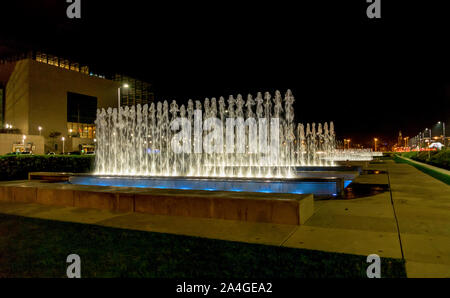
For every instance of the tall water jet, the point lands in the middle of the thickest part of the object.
(256, 137)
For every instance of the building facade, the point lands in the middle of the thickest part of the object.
(43, 95)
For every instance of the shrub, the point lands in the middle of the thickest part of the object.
(439, 159)
(17, 167)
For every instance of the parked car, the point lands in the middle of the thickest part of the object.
(18, 153)
(74, 153)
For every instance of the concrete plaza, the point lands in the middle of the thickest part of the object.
(410, 221)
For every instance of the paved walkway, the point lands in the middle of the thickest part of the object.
(360, 226)
(422, 206)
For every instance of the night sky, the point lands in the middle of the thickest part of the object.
(371, 77)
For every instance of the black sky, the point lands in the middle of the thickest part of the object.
(373, 78)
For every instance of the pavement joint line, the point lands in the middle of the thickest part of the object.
(395, 215)
(289, 236)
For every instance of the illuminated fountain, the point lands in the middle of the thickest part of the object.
(256, 137)
(353, 155)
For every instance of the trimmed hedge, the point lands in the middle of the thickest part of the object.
(17, 167)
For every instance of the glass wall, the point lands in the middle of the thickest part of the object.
(63, 63)
(81, 130)
(137, 92)
(81, 115)
(2, 107)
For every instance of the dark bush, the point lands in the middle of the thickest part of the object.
(17, 167)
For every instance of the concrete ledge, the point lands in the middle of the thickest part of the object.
(49, 176)
(253, 207)
(57, 197)
(23, 194)
(6, 194)
(293, 209)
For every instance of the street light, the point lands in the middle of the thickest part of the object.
(118, 94)
(23, 140)
(376, 140)
(63, 139)
(406, 139)
(39, 128)
(443, 131)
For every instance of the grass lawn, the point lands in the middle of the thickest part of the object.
(437, 175)
(38, 248)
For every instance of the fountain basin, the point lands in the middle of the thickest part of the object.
(318, 186)
(280, 208)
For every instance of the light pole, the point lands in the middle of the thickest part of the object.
(375, 140)
(118, 94)
(443, 131)
(420, 140)
(39, 128)
(63, 139)
(347, 141)
(429, 143)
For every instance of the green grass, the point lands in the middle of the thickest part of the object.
(438, 175)
(409, 154)
(39, 248)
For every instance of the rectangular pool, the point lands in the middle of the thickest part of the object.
(316, 186)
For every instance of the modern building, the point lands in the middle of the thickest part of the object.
(57, 99)
(400, 139)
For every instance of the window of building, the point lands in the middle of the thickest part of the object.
(2, 103)
(75, 66)
(81, 114)
(81, 130)
(84, 69)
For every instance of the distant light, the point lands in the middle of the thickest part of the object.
(63, 138)
(126, 85)
(70, 130)
(95, 140)
(24, 137)
(40, 128)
